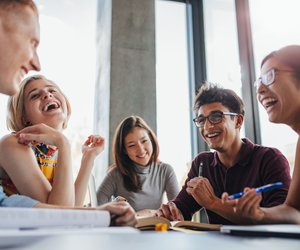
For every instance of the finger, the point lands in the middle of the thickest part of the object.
(165, 211)
(244, 200)
(176, 214)
(33, 138)
(119, 198)
(159, 213)
(189, 190)
(253, 204)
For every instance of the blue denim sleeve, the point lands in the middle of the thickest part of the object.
(16, 200)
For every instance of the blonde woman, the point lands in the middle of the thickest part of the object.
(36, 159)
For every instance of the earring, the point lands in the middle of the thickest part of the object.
(28, 123)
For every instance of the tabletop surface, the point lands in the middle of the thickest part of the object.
(155, 240)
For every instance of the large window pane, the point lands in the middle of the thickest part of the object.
(275, 23)
(222, 58)
(172, 83)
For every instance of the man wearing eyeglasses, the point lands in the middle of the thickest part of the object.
(234, 164)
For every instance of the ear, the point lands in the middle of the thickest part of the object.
(239, 121)
(25, 122)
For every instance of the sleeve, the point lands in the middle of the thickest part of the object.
(275, 168)
(107, 187)
(185, 202)
(16, 200)
(171, 185)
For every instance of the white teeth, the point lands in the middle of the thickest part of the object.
(48, 105)
(212, 135)
(268, 101)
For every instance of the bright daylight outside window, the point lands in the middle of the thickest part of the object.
(222, 58)
(67, 55)
(275, 23)
(172, 86)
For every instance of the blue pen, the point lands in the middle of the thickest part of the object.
(258, 190)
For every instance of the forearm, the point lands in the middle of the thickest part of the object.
(82, 179)
(62, 192)
(282, 214)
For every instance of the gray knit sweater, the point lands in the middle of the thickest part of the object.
(155, 180)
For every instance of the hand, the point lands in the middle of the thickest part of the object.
(118, 198)
(247, 207)
(94, 145)
(170, 212)
(41, 133)
(121, 212)
(202, 191)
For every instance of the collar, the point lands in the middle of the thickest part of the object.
(246, 154)
(143, 169)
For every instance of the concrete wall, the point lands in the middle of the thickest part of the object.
(126, 66)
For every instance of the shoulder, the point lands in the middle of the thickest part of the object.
(162, 166)
(113, 172)
(9, 142)
(272, 152)
(205, 157)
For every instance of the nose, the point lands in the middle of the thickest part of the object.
(260, 88)
(47, 95)
(140, 148)
(207, 124)
(35, 62)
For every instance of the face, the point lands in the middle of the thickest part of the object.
(44, 103)
(19, 39)
(220, 136)
(280, 99)
(139, 146)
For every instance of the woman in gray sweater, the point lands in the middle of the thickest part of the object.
(137, 174)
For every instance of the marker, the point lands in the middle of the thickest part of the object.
(200, 169)
(258, 190)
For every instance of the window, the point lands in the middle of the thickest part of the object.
(67, 54)
(172, 86)
(222, 58)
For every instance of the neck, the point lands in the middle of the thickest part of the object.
(231, 156)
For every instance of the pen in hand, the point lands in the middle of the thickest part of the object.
(200, 169)
(258, 190)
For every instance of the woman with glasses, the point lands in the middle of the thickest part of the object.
(234, 164)
(278, 90)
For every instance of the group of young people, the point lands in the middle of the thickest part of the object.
(39, 111)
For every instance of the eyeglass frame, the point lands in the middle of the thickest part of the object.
(222, 113)
(260, 80)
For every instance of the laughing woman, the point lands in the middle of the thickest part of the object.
(278, 91)
(42, 168)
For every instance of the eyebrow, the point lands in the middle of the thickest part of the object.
(47, 86)
(214, 111)
(144, 137)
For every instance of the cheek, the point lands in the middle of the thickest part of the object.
(130, 153)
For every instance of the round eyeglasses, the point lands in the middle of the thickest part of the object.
(214, 118)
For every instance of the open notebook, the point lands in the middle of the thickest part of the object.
(277, 230)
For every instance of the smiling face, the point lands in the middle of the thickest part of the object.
(138, 146)
(19, 39)
(44, 103)
(280, 99)
(223, 135)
